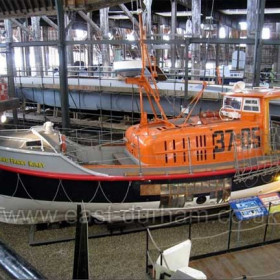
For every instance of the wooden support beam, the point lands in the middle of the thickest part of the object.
(16, 22)
(30, 5)
(129, 14)
(5, 7)
(11, 5)
(50, 22)
(72, 19)
(24, 5)
(18, 6)
(90, 21)
(93, 5)
(185, 3)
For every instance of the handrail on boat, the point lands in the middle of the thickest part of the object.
(43, 140)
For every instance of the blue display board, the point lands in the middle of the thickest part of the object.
(248, 208)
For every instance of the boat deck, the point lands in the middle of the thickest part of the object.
(258, 263)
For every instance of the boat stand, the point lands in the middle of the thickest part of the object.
(112, 229)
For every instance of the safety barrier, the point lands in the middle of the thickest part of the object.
(222, 238)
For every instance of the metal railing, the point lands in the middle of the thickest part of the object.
(233, 235)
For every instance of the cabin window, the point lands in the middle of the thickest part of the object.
(165, 148)
(234, 102)
(251, 105)
(174, 148)
(35, 143)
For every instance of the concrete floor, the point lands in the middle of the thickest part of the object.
(121, 257)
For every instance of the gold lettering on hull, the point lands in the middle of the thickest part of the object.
(36, 164)
(15, 161)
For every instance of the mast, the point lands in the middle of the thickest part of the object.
(143, 83)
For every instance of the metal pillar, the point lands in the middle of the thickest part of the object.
(226, 46)
(21, 70)
(35, 21)
(258, 44)
(196, 32)
(10, 64)
(27, 66)
(46, 49)
(277, 65)
(69, 37)
(62, 66)
(173, 32)
(148, 4)
(90, 47)
(104, 26)
(252, 19)
(186, 93)
(217, 56)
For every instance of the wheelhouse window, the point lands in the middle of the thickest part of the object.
(251, 105)
(234, 102)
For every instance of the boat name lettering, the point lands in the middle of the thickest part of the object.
(17, 161)
(36, 164)
(250, 139)
(22, 162)
(3, 159)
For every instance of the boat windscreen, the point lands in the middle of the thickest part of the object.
(33, 143)
(234, 102)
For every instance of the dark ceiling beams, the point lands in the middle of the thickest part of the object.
(31, 8)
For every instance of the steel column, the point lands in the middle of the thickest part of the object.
(173, 32)
(187, 43)
(36, 30)
(258, 44)
(252, 19)
(104, 26)
(46, 49)
(10, 64)
(90, 46)
(62, 66)
(196, 32)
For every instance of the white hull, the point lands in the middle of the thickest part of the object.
(26, 211)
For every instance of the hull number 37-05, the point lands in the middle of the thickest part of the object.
(225, 140)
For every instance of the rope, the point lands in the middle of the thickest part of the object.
(58, 187)
(66, 193)
(274, 224)
(211, 215)
(150, 259)
(16, 186)
(108, 200)
(247, 229)
(210, 236)
(167, 224)
(30, 196)
(258, 276)
(94, 194)
(153, 241)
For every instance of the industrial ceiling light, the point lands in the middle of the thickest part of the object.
(222, 32)
(166, 37)
(265, 33)
(243, 25)
(3, 118)
(130, 36)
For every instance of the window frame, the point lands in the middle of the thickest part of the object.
(251, 105)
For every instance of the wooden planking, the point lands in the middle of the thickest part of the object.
(257, 261)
